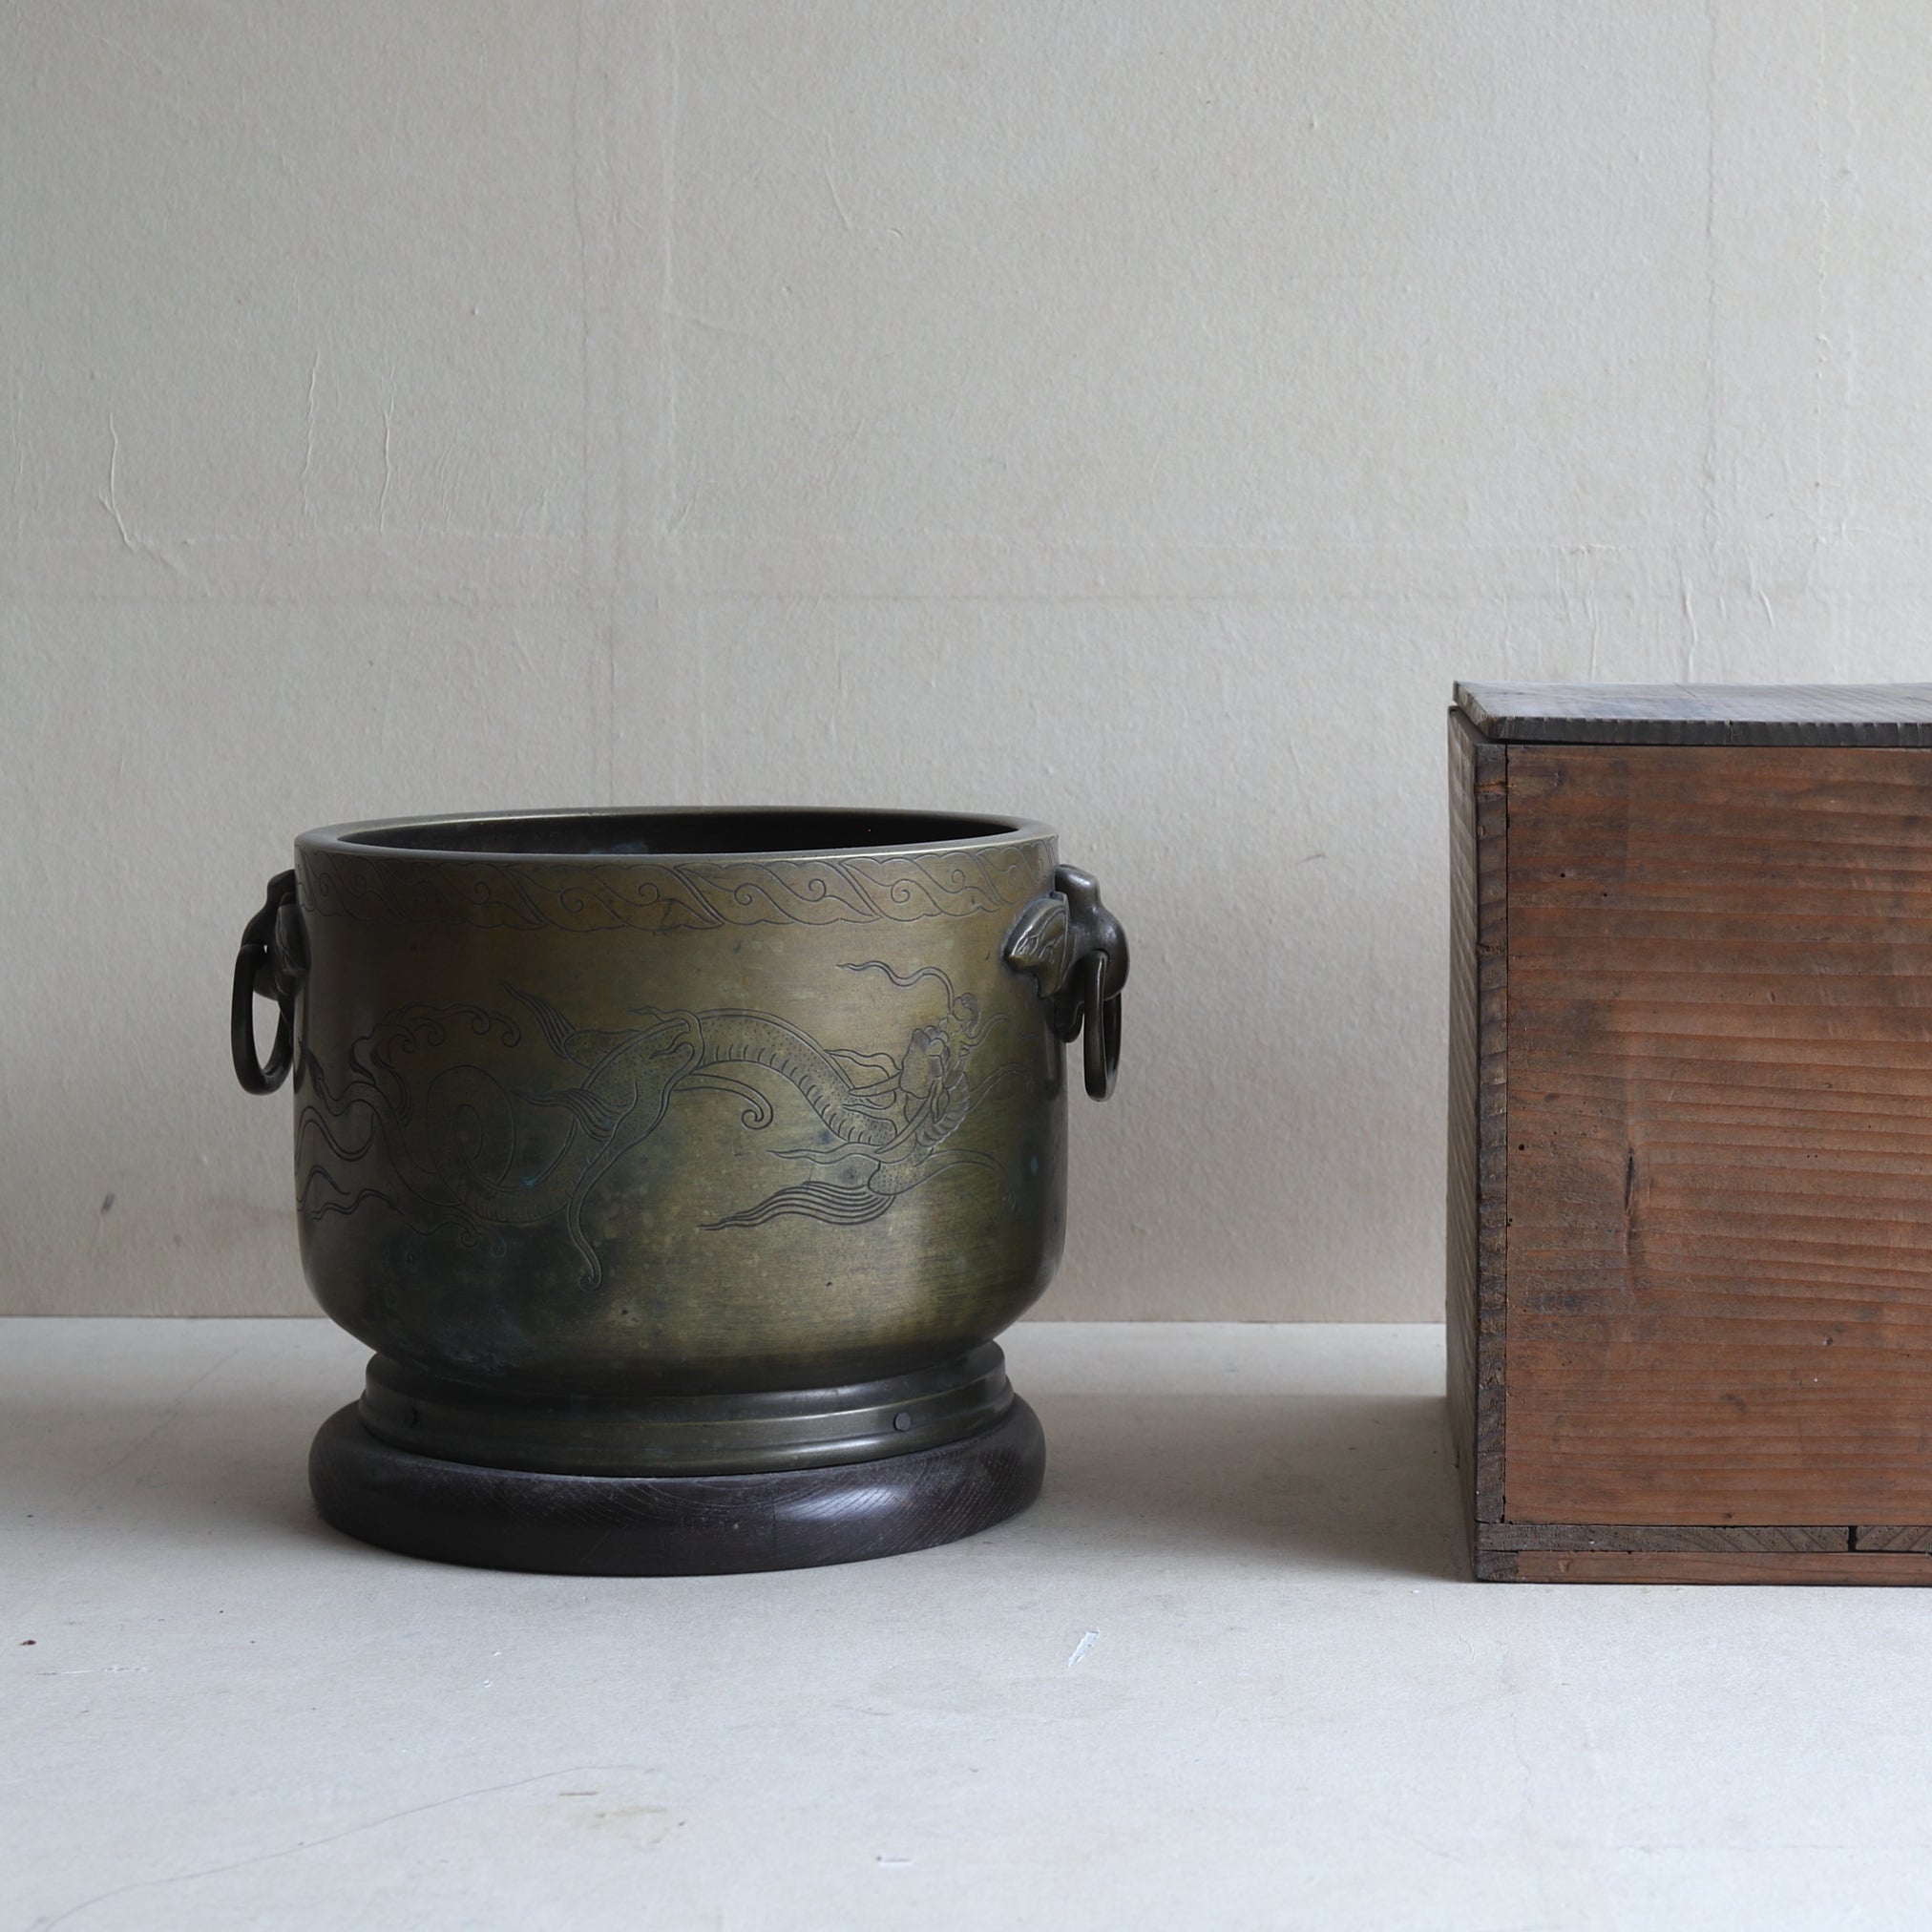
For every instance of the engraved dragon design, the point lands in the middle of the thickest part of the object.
(471, 1155)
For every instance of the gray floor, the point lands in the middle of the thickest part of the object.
(1226, 1673)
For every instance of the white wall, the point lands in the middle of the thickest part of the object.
(1131, 413)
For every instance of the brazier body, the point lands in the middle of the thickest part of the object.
(659, 1148)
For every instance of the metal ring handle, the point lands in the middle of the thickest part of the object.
(271, 961)
(1100, 1027)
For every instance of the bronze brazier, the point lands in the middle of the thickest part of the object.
(681, 1168)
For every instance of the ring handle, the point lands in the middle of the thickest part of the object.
(1101, 1027)
(272, 963)
(1077, 952)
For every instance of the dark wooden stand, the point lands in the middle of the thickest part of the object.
(672, 1525)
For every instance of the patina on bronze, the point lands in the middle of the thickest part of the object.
(681, 1168)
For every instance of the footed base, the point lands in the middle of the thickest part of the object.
(672, 1525)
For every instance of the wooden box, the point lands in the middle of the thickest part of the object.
(1690, 1132)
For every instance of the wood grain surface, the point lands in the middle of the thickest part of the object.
(1719, 1249)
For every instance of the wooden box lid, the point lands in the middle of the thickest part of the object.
(1699, 714)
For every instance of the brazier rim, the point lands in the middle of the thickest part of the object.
(934, 834)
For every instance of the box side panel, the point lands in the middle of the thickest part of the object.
(1478, 1130)
(1460, 1215)
(1720, 1241)
(1492, 1114)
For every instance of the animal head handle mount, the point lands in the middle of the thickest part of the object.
(1077, 951)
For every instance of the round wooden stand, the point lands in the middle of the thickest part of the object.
(672, 1525)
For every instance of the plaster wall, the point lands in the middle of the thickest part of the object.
(1133, 415)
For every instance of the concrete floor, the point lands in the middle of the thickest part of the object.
(1226, 1673)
